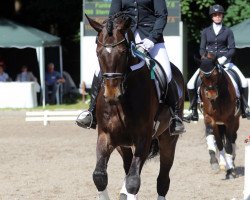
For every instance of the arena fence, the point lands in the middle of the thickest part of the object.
(247, 173)
(49, 116)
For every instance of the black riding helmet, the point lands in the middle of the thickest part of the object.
(216, 9)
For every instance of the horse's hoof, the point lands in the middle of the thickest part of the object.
(231, 174)
(215, 167)
(223, 168)
(123, 196)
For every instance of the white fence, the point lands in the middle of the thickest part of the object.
(247, 173)
(48, 116)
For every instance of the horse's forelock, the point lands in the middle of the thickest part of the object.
(109, 26)
(207, 64)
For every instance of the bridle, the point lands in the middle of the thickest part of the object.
(113, 75)
(207, 75)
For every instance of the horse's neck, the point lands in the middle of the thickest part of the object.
(133, 60)
(225, 85)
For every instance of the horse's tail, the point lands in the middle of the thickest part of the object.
(154, 148)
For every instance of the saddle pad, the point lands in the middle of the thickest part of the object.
(234, 83)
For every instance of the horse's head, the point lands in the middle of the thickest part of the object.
(210, 74)
(113, 40)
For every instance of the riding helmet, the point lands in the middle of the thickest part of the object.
(216, 9)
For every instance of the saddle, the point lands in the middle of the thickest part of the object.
(156, 70)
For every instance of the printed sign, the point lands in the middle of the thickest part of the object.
(99, 11)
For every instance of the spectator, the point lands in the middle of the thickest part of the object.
(4, 77)
(52, 81)
(25, 75)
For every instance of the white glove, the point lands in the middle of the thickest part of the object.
(222, 60)
(147, 44)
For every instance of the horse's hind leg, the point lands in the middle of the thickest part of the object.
(100, 177)
(167, 150)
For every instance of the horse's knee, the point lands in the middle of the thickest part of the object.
(100, 179)
(133, 184)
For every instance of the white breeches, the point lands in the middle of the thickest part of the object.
(244, 82)
(159, 53)
(191, 82)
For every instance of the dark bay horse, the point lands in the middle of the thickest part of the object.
(221, 116)
(126, 108)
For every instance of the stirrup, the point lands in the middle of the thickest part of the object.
(83, 115)
(171, 122)
(246, 113)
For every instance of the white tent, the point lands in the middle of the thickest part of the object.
(14, 35)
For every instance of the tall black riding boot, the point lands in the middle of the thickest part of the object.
(172, 99)
(244, 103)
(87, 119)
(192, 94)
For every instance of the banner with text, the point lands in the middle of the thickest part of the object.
(99, 11)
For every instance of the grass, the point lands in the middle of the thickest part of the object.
(79, 105)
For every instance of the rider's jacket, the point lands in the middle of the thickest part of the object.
(222, 44)
(149, 17)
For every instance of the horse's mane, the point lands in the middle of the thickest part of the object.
(116, 18)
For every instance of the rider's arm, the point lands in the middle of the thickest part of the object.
(161, 14)
(116, 6)
(230, 44)
(203, 43)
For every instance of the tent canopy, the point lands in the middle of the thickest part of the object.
(20, 36)
(241, 34)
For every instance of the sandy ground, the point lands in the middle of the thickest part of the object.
(56, 162)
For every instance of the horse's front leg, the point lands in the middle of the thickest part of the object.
(212, 132)
(167, 146)
(100, 176)
(133, 180)
(231, 136)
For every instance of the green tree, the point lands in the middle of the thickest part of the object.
(195, 14)
(238, 11)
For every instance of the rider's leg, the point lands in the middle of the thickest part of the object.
(159, 53)
(87, 119)
(244, 91)
(173, 100)
(193, 98)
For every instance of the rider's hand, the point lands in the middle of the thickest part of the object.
(222, 60)
(147, 44)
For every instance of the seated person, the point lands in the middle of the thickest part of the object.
(25, 75)
(52, 80)
(4, 77)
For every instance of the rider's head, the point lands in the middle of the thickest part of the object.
(217, 13)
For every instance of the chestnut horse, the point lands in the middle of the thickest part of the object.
(126, 108)
(219, 105)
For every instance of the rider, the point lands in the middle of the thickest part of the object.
(219, 40)
(149, 18)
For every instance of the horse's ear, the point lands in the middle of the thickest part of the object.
(197, 60)
(97, 26)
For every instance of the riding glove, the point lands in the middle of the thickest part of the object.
(147, 44)
(222, 60)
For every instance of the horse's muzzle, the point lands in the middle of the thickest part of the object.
(112, 90)
(211, 94)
